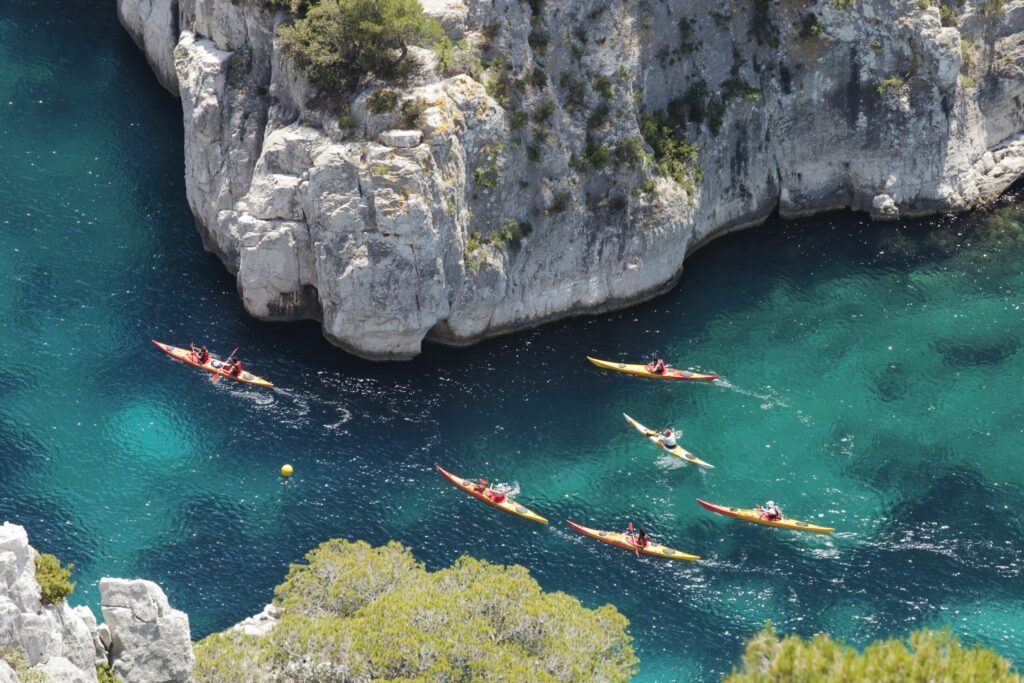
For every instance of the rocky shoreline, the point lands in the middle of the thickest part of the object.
(142, 638)
(387, 226)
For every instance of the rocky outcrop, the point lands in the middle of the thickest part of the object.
(149, 641)
(470, 210)
(62, 644)
(259, 624)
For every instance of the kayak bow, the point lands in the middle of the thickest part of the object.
(214, 365)
(625, 541)
(678, 451)
(507, 505)
(750, 515)
(642, 371)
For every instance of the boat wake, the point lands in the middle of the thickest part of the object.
(767, 395)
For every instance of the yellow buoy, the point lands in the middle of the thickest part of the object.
(286, 471)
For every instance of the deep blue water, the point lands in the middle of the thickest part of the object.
(871, 382)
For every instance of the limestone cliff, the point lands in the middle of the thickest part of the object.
(483, 205)
(143, 639)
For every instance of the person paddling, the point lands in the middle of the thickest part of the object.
(668, 438)
(202, 355)
(770, 511)
(642, 539)
(657, 366)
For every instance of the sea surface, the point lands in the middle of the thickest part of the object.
(871, 382)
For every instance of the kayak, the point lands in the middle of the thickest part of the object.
(625, 541)
(642, 371)
(678, 451)
(508, 505)
(214, 365)
(750, 515)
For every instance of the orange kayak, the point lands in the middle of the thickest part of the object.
(625, 541)
(214, 365)
(508, 505)
(750, 515)
(642, 371)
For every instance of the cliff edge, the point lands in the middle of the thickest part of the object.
(529, 187)
(142, 641)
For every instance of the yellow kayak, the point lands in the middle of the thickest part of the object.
(214, 366)
(642, 371)
(625, 541)
(506, 504)
(656, 439)
(750, 515)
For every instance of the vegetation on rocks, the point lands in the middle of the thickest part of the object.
(354, 612)
(925, 656)
(337, 42)
(54, 579)
(674, 157)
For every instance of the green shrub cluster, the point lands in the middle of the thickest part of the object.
(382, 101)
(735, 88)
(337, 42)
(354, 612)
(457, 58)
(630, 152)
(560, 202)
(674, 157)
(892, 84)
(54, 579)
(924, 657)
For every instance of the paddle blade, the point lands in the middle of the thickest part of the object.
(214, 377)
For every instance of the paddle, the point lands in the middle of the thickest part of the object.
(633, 539)
(216, 375)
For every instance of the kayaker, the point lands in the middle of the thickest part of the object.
(657, 367)
(770, 511)
(202, 355)
(234, 368)
(480, 486)
(668, 438)
(642, 539)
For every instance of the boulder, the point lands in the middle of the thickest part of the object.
(61, 670)
(883, 207)
(401, 138)
(149, 641)
(259, 624)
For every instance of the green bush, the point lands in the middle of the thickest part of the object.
(598, 117)
(54, 579)
(353, 612)
(603, 86)
(597, 156)
(674, 157)
(947, 13)
(518, 120)
(486, 176)
(617, 204)
(992, 8)
(544, 111)
(892, 84)
(382, 101)
(104, 674)
(925, 656)
(560, 202)
(412, 109)
(735, 88)
(630, 152)
(339, 41)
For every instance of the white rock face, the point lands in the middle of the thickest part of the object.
(259, 624)
(150, 642)
(390, 237)
(38, 632)
(62, 644)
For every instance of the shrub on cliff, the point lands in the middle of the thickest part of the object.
(54, 579)
(925, 656)
(354, 612)
(339, 41)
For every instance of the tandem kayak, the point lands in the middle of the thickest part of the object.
(750, 515)
(678, 451)
(642, 371)
(214, 365)
(625, 541)
(507, 505)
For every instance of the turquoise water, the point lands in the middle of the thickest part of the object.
(871, 382)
